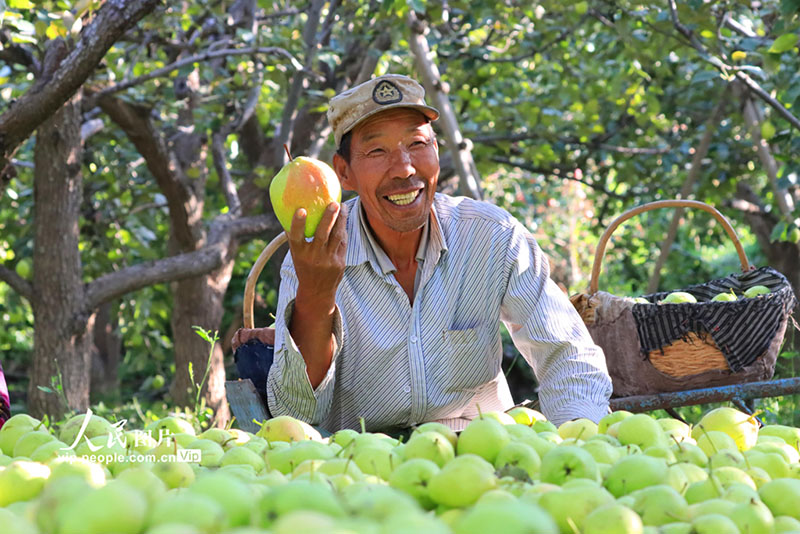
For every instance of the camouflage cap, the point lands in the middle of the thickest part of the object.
(349, 108)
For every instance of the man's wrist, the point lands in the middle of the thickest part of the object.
(315, 303)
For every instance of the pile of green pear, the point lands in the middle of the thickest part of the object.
(509, 473)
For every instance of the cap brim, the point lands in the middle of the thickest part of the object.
(429, 112)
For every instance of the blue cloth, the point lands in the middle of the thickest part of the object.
(253, 360)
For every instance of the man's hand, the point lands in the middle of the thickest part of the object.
(319, 265)
(243, 335)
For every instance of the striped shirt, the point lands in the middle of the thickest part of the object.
(398, 365)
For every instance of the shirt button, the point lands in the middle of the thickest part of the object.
(413, 339)
(407, 389)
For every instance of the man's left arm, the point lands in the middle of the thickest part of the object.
(549, 333)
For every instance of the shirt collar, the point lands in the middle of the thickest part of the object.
(362, 246)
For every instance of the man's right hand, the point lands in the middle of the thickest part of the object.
(319, 263)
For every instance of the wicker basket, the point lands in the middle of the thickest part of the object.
(655, 348)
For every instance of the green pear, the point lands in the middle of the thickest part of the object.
(461, 481)
(429, 445)
(567, 462)
(526, 416)
(714, 524)
(58, 493)
(10, 435)
(640, 429)
(282, 428)
(116, 507)
(742, 427)
(22, 481)
(95, 426)
(233, 495)
(506, 517)
(211, 452)
(413, 477)
(15, 524)
(145, 482)
(608, 420)
(174, 474)
(781, 496)
(242, 455)
(378, 502)
(297, 495)
(304, 183)
(484, 437)
(64, 466)
(578, 428)
(635, 472)
(519, 455)
(755, 291)
(678, 297)
(189, 508)
(613, 518)
(571, 506)
(659, 504)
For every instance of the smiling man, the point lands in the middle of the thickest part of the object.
(392, 313)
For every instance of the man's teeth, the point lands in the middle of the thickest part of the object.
(404, 199)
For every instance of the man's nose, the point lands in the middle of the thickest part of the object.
(402, 164)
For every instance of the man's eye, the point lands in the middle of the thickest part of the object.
(375, 152)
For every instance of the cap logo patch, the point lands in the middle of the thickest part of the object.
(386, 93)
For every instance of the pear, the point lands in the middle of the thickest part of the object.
(306, 183)
(743, 428)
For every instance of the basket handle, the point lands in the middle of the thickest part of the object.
(601, 246)
(252, 278)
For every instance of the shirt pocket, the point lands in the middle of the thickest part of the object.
(468, 357)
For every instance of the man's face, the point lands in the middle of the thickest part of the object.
(394, 167)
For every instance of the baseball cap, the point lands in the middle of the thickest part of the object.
(349, 108)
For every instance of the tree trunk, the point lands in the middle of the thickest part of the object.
(61, 338)
(199, 302)
(106, 350)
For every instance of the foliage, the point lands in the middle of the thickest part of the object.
(576, 112)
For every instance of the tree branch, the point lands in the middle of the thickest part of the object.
(727, 69)
(135, 122)
(225, 180)
(469, 179)
(555, 171)
(111, 21)
(284, 132)
(205, 56)
(16, 282)
(113, 285)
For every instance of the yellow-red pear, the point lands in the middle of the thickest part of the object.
(304, 183)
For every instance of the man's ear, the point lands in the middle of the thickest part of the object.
(342, 169)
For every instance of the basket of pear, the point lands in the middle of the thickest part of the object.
(723, 331)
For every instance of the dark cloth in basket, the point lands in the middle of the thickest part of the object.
(741, 329)
(253, 361)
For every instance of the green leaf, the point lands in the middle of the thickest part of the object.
(20, 4)
(790, 6)
(778, 232)
(783, 43)
(789, 354)
(45, 389)
(705, 75)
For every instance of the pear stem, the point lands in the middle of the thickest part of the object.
(286, 148)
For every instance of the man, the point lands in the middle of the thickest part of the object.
(392, 311)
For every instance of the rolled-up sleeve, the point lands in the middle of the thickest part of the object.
(289, 390)
(550, 335)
